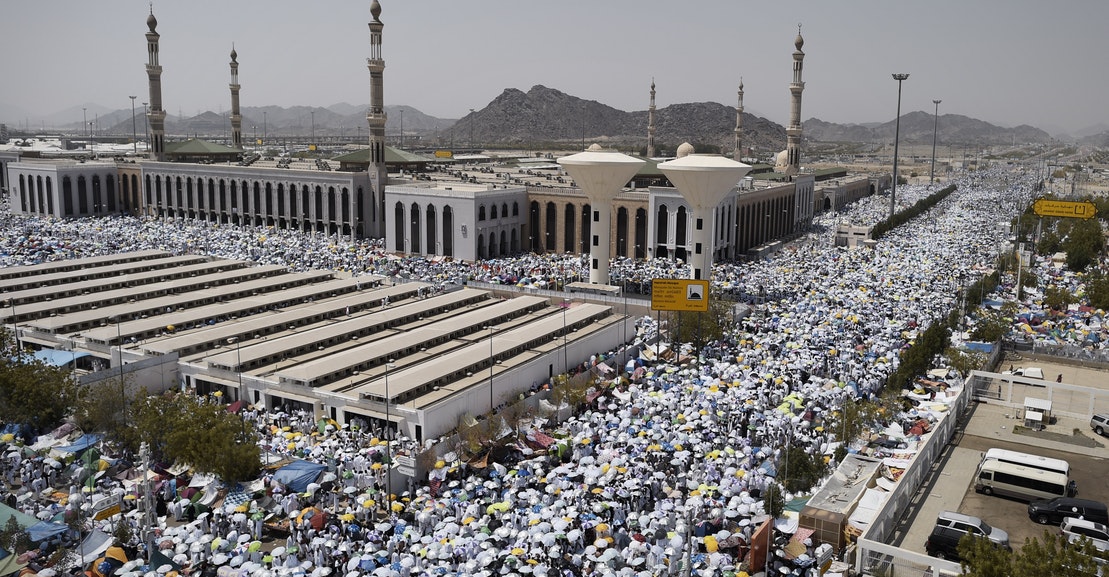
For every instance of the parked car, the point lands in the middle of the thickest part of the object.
(1085, 528)
(1075, 529)
(1055, 511)
(950, 528)
(1100, 423)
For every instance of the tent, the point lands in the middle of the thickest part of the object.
(22, 519)
(81, 444)
(298, 474)
(9, 563)
(44, 530)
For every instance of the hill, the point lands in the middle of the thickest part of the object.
(918, 127)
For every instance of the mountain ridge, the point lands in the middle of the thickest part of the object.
(544, 116)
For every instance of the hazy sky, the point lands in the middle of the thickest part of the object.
(1004, 61)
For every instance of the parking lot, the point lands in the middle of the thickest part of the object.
(1011, 514)
(951, 486)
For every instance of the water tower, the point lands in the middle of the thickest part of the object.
(601, 175)
(703, 181)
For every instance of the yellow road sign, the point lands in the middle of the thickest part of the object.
(671, 294)
(1064, 208)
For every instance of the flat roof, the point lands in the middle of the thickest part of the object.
(479, 350)
(296, 316)
(78, 263)
(438, 337)
(59, 277)
(118, 276)
(332, 331)
(315, 285)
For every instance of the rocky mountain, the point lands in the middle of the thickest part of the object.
(918, 127)
(544, 115)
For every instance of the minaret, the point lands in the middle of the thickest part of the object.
(793, 131)
(156, 116)
(651, 123)
(236, 118)
(376, 116)
(737, 155)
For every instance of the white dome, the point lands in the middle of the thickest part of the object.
(685, 149)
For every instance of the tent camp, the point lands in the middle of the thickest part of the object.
(298, 474)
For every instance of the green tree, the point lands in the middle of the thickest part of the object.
(1052, 556)
(1097, 289)
(700, 328)
(1057, 297)
(991, 327)
(1050, 243)
(14, 538)
(180, 428)
(105, 408)
(965, 361)
(1084, 243)
(775, 500)
(801, 469)
(32, 392)
(213, 440)
(981, 558)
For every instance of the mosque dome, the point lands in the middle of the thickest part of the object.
(781, 159)
(151, 22)
(594, 147)
(684, 150)
(375, 10)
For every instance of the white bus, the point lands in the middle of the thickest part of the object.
(1001, 478)
(1028, 460)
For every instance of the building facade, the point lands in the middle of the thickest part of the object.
(63, 188)
(462, 221)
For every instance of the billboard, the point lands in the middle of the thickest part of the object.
(674, 294)
(1064, 208)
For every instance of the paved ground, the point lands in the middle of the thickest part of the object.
(950, 487)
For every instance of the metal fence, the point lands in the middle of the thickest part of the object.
(1066, 400)
(874, 556)
(1071, 352)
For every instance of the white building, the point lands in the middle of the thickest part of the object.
(462, 221)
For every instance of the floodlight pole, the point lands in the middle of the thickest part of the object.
(935, 131)
(896, 137)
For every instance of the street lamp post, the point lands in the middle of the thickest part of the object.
(119, 343)
(896, 137)
(255, 128)
(388, 445)
(238, 364)
(313, 113)
(491, 363)
(85, 120)
(935, 131)
(471, 130)
(15, 327)
(134, 129)
(264, 135)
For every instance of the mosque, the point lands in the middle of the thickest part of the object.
(359, 348)
(194, 180)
